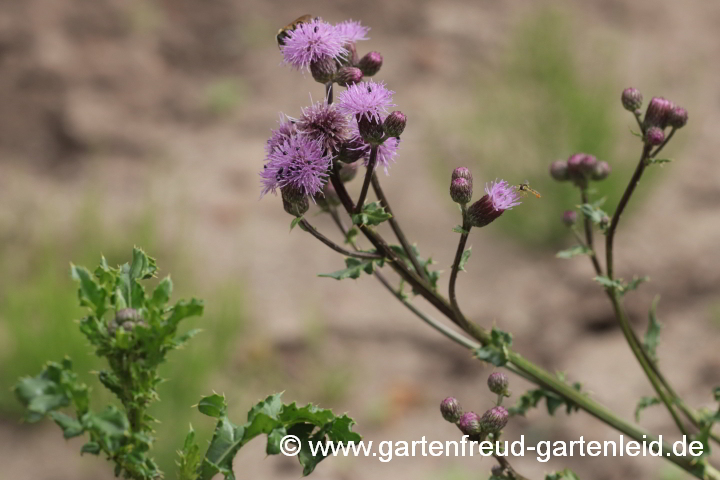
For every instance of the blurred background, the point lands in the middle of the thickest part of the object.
(133, 122)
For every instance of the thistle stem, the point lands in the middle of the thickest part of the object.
(368, 177)
(396, 228)
(454, 274)
(313, 231)
(589, 234)
(329, 92)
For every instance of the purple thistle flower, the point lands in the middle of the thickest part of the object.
(286, 130)
(352, 31)
(499, 196)
(300, 163)
(313, 41)
(387, 151)
(369, 99)
(502, 195)
(325, 123)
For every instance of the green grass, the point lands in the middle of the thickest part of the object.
(38, 309)
(543, 105)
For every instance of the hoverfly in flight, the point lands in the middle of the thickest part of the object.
(525, 188)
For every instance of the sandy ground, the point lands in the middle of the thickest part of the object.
(108, 95)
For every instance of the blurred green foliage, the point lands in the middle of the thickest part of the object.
(543, 105)
(38, 310)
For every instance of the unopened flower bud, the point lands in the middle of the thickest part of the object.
(678, 117)
(451, 410)
(559, 170)
(604, 221)
(655, 135)
(587, 165)
(371, 130)
(461, 191)
(347, 76)
(469, 424)
(328, 198)
(601, 171)
(294, 201)
(349, 58)
(657, 112)
(569, 217)
(462, 172)
(632, 99)
(370, 64)
(576, 169)
(348, 171)
(351, 151)
(498, 383)
(394, 124)
(323, 70)
(494, 419)
(127, 314)
(497, 471)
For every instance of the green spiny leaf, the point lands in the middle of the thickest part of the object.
(464, 258)
(574, 251)
(652, 336)
(213, 406)
(294, 223)
(644, 403)
(355, 268)
(371, 214)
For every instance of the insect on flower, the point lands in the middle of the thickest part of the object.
(525, 188)
(282, 33)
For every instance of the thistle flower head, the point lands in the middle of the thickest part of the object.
(394, 124)
(569, 217)
(324, 123)
(285, 130)
(631, 99)
(370, 64)
(347, 76)
(559, 170)
(499, 196)
(678, 117)
(461, 191)
(657, 112)
(498, 383)
(494, 419)
(294, 201)
(312, 41)
(502, 195)
(469, 424)
(299, 162)
(386, 153)
(601, 171)
(366, 99)
(655, 135)
(462, 172)
(451, 410)
(352, 31)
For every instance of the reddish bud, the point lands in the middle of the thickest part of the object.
(678, 117)
(461, 191)
(394, 124)
(559, 170)
(451, 410)
(370, 64)
(631, 99)
(347, 76)
(655, 136)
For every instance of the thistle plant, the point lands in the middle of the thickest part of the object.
(134, 332)
(360, 128)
